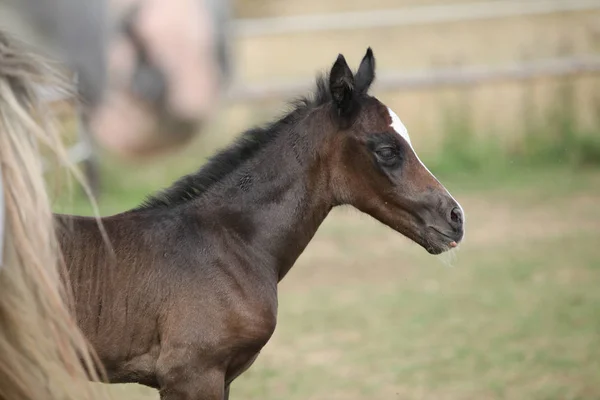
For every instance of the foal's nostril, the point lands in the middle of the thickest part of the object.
(456, 216)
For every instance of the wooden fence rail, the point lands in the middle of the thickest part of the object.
(435, 77)
(416, 15)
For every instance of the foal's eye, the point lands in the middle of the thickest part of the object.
(386, 153)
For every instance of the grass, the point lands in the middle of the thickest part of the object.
(515, 318)
(367, 315)
(498, 327)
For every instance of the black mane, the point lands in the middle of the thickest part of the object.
(231, 158)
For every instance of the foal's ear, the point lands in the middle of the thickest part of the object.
(366, 72)
(341, 85)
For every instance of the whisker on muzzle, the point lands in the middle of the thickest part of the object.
(448, 258)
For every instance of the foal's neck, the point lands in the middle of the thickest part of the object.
(276, 201)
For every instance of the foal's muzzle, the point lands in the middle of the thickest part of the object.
(446, 227)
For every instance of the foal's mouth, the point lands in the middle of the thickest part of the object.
(442, 241)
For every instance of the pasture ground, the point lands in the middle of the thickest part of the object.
(364, 314)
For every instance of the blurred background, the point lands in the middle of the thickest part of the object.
(502, 101)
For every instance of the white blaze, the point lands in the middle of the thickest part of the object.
(401, 130)
(398, 126)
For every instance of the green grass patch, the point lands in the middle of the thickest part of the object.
(552, 138)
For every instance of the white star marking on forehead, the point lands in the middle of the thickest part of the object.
(398, 126)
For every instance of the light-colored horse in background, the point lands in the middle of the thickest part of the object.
(149, 71)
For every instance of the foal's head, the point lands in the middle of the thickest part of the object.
(375, 168)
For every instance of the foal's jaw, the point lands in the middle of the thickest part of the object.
(435, 222)
(423, 225)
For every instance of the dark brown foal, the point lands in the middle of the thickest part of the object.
(188, 297)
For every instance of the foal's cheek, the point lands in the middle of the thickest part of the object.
(395, 174)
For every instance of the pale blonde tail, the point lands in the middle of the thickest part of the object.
(43, 355)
